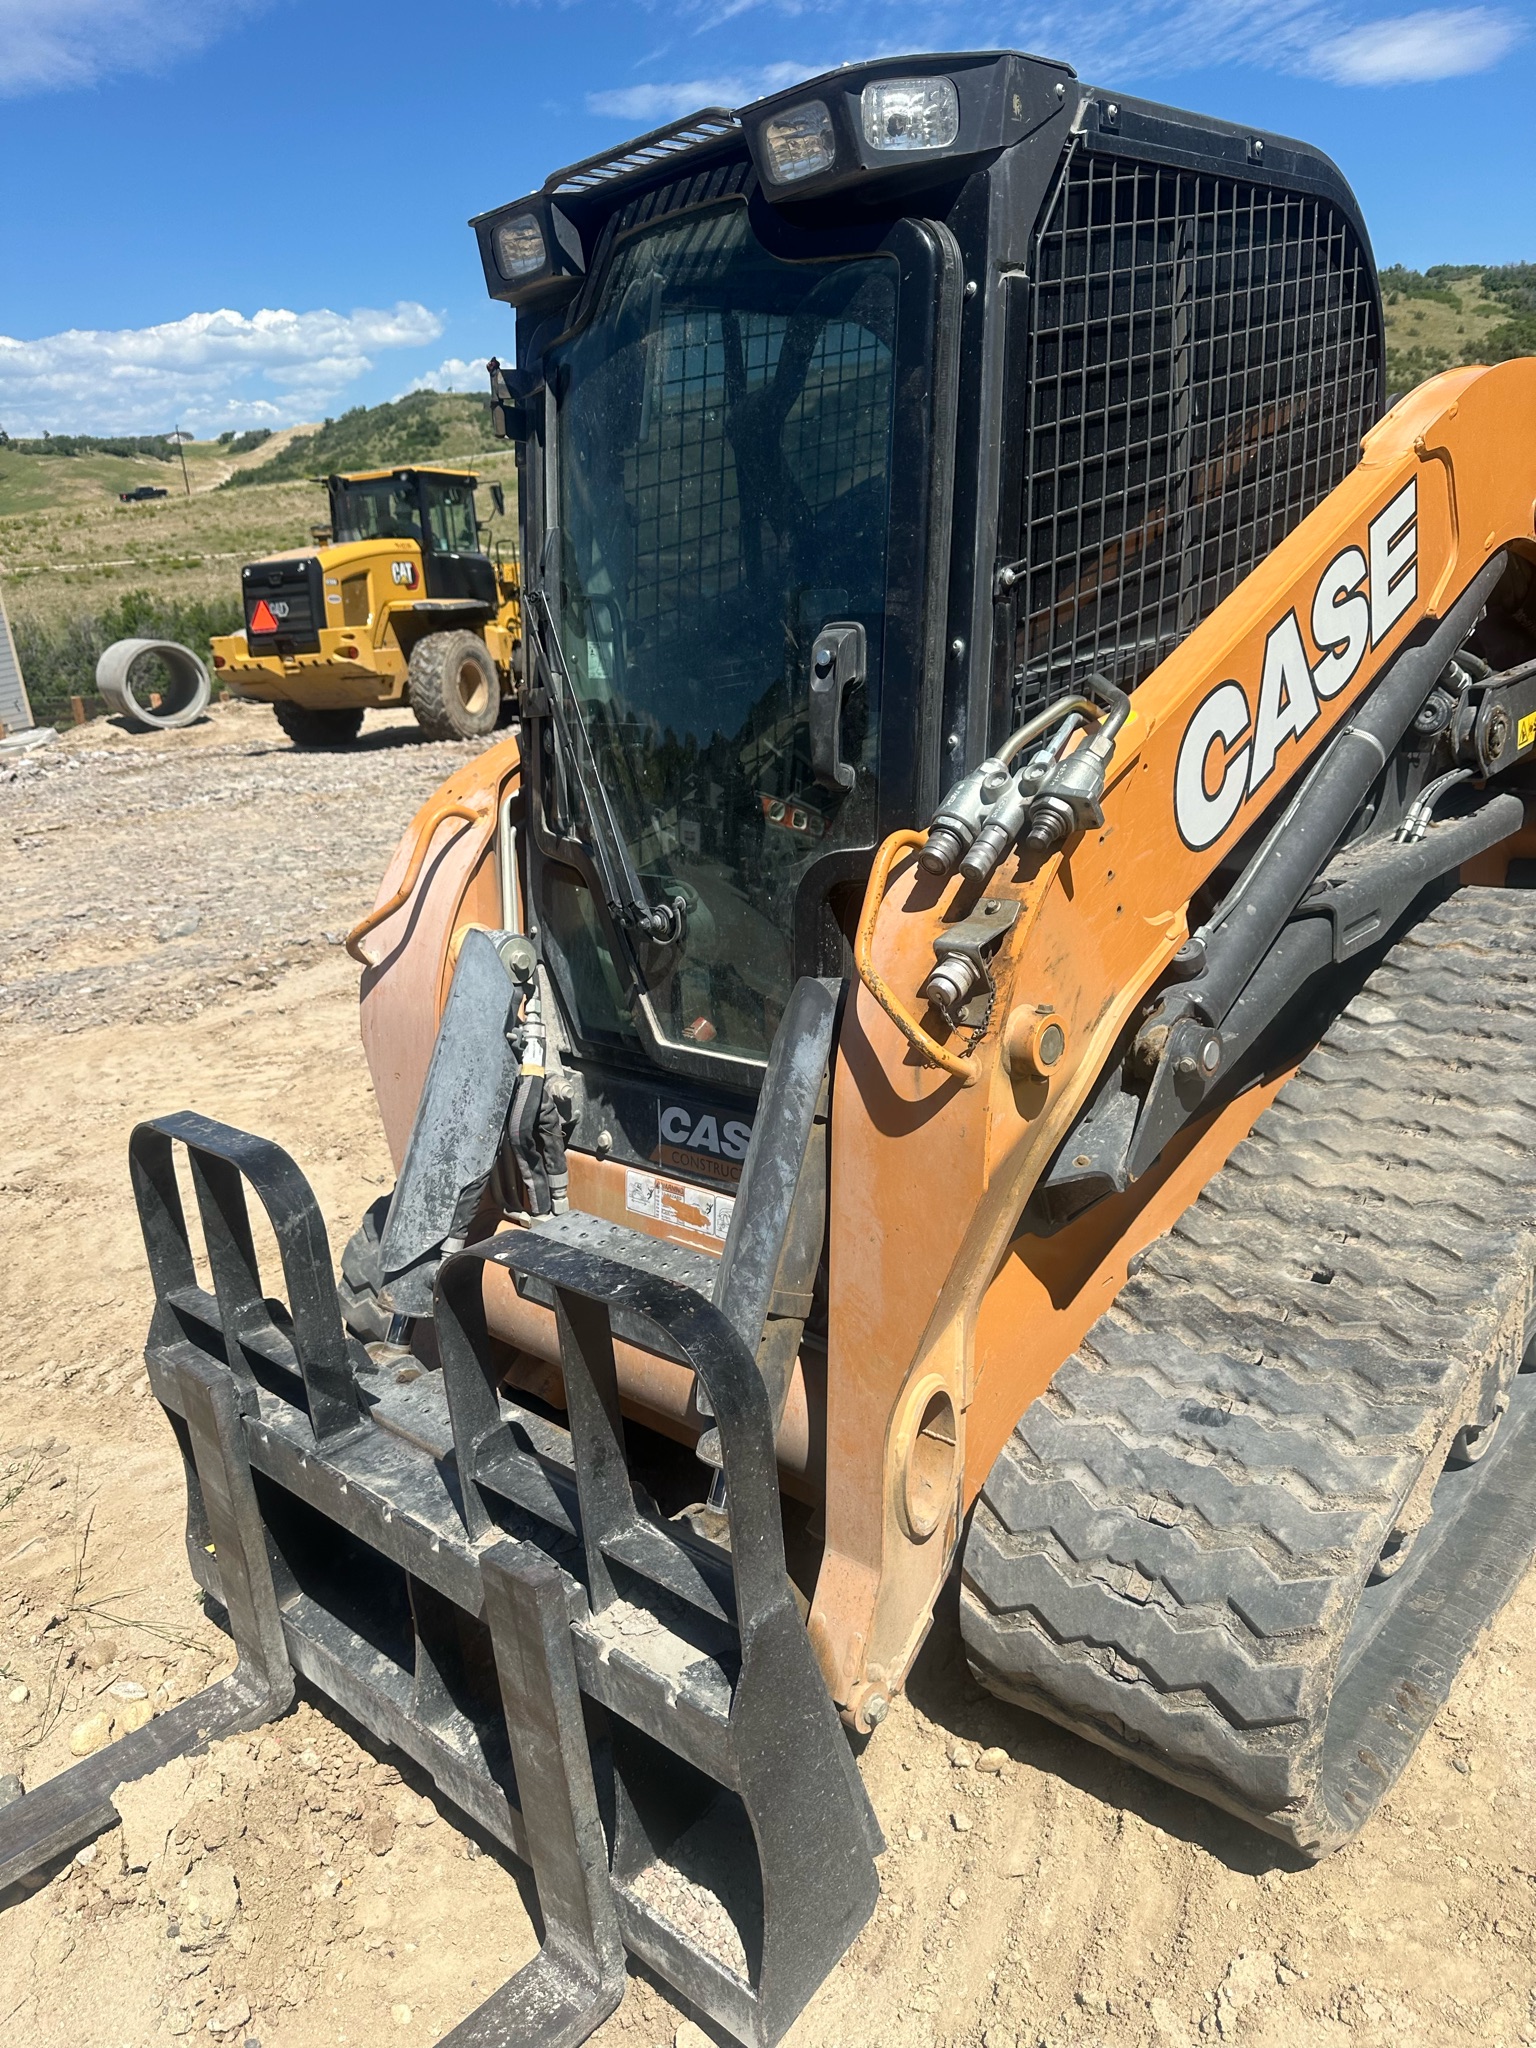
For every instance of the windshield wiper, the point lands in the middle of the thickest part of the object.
(623, 891)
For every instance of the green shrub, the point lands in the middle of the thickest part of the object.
(1516, 337)
(425, 426)
(1515, 285)
(1408, 367)
(1399, 282)
(160, 447)
(58, 658)
(242, 444)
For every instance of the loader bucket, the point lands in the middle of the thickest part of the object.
(632, 1710)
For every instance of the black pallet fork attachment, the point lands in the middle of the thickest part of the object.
(65, 1812)
(633, 1711)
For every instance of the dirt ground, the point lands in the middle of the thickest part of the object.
(170, 911)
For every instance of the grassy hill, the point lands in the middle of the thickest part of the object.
(79, 569)
(427, 426)
(1456, 313)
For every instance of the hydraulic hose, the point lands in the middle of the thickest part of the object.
(1064, 707)
(1119, 706)
(533, 1120)
(967, 806)
(1072, 794)
(1010, 814)
(433, 814)
(1416, 824)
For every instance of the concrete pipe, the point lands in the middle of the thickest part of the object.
(123, 676)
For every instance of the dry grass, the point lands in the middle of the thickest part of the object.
(67, 546)
(1425, 335)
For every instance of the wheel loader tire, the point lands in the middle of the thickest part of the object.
(307, 727)
(454, 687)
(358, 1288)
(1238, 1541)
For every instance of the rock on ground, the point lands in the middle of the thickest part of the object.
(164, 910)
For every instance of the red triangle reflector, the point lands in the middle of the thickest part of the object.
(262, 620)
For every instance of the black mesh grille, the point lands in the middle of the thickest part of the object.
(1205, 356)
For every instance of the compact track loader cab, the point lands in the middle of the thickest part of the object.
(981, 1025)
(398, 603)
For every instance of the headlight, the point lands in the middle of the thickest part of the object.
(519, 247)
(800, 143)
(910, 113)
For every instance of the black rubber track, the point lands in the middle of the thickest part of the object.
(1180, 1551)
(364, 1314)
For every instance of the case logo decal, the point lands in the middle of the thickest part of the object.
(692, 1142)
(1232, 745)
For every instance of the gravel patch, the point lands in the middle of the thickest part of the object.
(147, 876)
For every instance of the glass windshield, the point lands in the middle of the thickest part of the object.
(724, 456)
(451, 517)
(378, 510)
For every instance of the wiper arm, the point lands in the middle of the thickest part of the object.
(623, 890)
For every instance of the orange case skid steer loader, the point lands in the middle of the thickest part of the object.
(984, 1024)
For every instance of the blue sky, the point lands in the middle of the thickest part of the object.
(245, 212)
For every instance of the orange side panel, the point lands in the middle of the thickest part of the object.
(1051, 1291)
(930, 1175)
(402, 997)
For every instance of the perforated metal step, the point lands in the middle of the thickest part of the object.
(668, 1261)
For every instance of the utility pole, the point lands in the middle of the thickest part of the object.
(181, 451)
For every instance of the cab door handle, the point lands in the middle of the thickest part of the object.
(838, 662)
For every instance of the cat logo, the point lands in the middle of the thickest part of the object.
(1232, 745)
(404, 572)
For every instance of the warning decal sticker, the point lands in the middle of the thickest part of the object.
(676, 1202)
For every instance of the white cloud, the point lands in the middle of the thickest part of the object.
(1124, 42)
(1413, 48)
(650, 105)
(453, 375)
(1312, 38)
(208, 369)
(53, 45)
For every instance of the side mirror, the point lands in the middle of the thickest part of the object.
(499, 500)
(511, 390)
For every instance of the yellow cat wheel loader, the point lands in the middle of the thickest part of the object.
(983, 1025)
(398, 604)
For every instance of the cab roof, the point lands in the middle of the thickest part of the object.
(368, 476)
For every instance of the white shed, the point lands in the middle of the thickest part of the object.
(17, 732)
(15, 711)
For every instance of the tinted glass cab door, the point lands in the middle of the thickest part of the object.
(375, 508)
(725, 469)
(451, 557)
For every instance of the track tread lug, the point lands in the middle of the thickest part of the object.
(1170, 1552)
